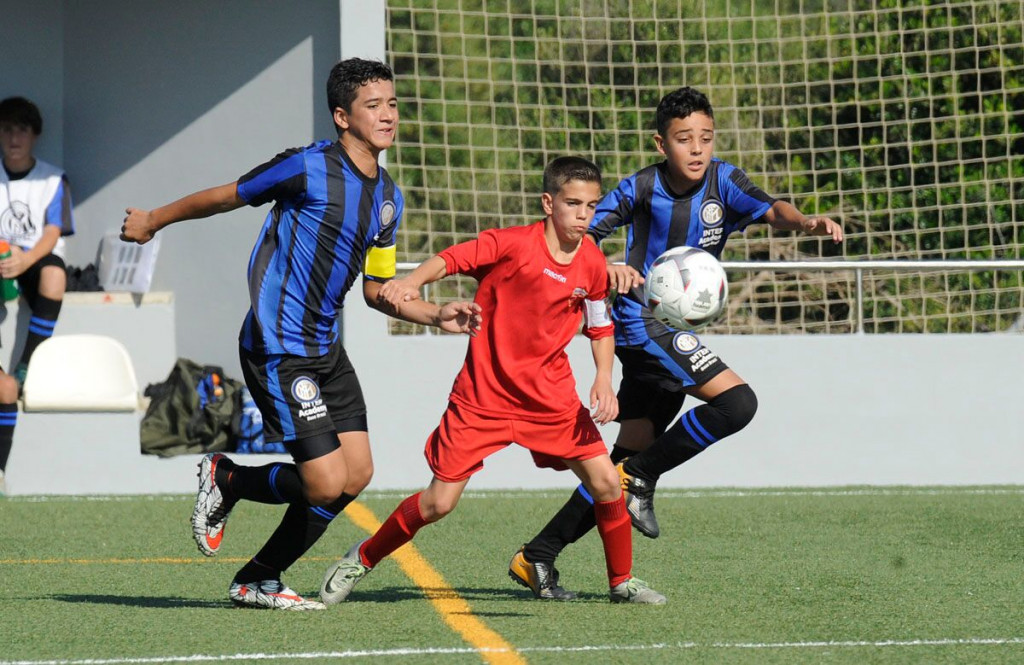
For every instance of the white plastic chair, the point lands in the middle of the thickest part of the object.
(80, 373)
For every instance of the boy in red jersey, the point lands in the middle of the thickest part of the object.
(536, 282)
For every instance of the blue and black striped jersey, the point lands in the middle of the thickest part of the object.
(328, 223)
(726, 201)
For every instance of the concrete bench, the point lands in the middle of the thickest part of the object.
(144, 324)
(76, 453)
(96, 453)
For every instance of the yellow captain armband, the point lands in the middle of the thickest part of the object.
(380, 263)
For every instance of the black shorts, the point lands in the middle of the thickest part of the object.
(302, 399)
(656, 375)
(28, 281)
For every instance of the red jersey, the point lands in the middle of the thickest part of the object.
(516, 366)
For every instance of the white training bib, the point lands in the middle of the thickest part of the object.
(29, 204)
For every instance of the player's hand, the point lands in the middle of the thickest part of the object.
(396, 291)
(460, 317)
(15, 264)
(138, 226)
(604, 405)
(823, 226)
(623, 278)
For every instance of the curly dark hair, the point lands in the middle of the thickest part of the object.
(348, 75)
(563, 169)
(20, 111)
(680, 104)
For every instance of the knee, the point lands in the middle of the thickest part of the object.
(53, 282)
(324, 489)
(8, 389)
(738, 405)
(606, 486)
(358, 479)
(436, 508)
(321, 496)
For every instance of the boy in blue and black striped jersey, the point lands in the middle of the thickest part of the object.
(691, 199)
(336, 214)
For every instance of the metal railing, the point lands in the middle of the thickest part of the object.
(857, 266)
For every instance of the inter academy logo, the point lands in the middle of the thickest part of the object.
(686, 343)
(711, 213)
(387, 214)
(304, 389)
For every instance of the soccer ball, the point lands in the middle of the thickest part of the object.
(686, 288)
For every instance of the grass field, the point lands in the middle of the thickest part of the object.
(852, 575)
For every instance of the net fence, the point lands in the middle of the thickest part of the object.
(901, 119)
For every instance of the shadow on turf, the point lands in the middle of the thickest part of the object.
(398, 594)
(137, 601)
(394, 594)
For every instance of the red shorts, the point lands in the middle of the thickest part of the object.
(457, 448)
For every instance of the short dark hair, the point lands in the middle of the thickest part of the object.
(347, 76)
(563, 169)
(680, 104)
(20, 111)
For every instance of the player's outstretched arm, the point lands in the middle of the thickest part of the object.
(397, 291)
(604, 405)
(784, 216)
(141, 225)
(457, 317)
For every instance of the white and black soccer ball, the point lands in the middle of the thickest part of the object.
(686, 288)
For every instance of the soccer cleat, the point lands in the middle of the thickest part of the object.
(211, 510)
(342, 576)
(541, 578)
(639, 502)
(3, 485)
(636, 591)
(270, 595)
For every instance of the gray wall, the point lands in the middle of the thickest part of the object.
(145, 102)
(32, 53)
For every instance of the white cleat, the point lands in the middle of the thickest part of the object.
(636, 591)
(211, 510)
(270, 595)
(342, 576)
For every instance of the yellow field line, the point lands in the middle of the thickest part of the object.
(453, 609)
(156, 559)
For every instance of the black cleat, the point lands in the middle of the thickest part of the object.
(639, 502)
(540, 578)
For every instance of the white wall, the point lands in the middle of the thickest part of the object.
(841, 410)
(833, 410)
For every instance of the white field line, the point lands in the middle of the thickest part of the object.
(701, 493)
(375, 653)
